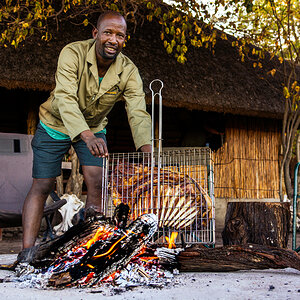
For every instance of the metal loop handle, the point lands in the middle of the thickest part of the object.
(150, 87)
(158, 93)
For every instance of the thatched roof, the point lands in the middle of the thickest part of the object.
(219, 82)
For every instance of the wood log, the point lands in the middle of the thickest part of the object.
(234, 258)
(47, 252)
(264, 223)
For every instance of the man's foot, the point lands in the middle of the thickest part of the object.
(86, 213)
(27, 255)
(93, 212)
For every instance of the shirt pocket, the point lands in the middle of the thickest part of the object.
(95, 113)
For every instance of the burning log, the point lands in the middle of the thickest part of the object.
(234, 258)
(92, 258)
(182, 200)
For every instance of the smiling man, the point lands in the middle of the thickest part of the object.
(91, 77)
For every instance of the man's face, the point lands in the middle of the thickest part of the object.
(110, 37)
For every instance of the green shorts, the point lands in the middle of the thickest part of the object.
(48, 154)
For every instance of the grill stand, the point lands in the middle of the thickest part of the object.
(176, 185)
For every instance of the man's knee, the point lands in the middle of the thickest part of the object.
(43, 186)
(93, 177)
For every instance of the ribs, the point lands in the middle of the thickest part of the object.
(182, 200)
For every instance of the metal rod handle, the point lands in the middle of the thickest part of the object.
(158, 93)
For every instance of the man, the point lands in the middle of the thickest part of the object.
(91, 77)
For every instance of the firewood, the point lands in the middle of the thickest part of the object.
(234, 258)
(110, 251)
(265, 223)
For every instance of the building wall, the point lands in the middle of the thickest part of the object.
(247, 165)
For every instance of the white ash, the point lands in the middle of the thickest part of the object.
(133, 275)
(137, 275)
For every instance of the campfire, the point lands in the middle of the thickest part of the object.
(103, 253)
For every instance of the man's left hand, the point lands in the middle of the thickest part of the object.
(146, 148)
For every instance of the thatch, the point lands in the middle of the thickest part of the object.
(247, 166)
(219, 82)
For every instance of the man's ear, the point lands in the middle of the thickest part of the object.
(95, 32)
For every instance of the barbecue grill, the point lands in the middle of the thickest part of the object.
(176, 184)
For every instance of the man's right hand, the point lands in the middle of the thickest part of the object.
(97, 146)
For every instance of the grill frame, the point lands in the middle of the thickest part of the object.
(188, 162)
(189, 207)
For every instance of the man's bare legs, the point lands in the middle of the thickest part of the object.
(41, 188)
(33, 209)
(93, 177)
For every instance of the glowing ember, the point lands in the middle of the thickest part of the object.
(171, 240)
(109, 249)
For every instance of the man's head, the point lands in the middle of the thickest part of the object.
(110, 35)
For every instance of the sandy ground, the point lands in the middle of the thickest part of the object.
(267, 284)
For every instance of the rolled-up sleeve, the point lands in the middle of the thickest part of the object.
(138, 118)
(65, 93)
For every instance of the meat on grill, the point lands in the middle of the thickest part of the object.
(182, 201)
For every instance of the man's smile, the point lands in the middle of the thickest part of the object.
(111, 49)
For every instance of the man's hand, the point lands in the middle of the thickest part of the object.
(97, 146)
(146, 148)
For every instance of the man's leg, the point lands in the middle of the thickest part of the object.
(47, 156)
(93, 169)
(93, 176)
(33, 209)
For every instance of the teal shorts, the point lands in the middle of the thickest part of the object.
(48, 154)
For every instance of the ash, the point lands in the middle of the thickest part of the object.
(140, 271)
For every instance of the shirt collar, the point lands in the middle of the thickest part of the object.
(116, 67)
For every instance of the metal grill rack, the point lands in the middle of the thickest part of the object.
(181, 195)
(176, 184)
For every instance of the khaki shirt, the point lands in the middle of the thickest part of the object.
(78, 103)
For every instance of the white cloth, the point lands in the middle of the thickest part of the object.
(67, 211)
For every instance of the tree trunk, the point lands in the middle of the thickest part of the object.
(234, 258)
(264, 223)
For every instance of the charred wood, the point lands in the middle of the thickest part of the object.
(103, 256)
(234, 258)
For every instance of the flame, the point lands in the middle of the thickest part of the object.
(110, 277)
(100, 233)
(171, 240)
(147, 258)
(113, 246)
(90, 266)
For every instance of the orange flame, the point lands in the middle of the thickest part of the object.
(90, 266)
(171, 240)
(113, 246)
(100, 233)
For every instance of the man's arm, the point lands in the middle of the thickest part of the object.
(65, 94)
(138, 118)
(67, 102)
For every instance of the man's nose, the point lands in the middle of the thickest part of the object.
(113, 39)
